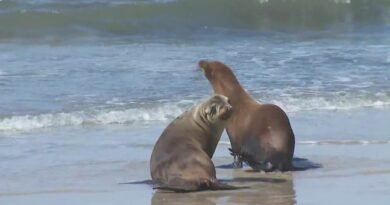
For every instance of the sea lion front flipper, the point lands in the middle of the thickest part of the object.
(237, 160)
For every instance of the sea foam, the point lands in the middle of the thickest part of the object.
(332, 142)
(77, 118)
(163, 112)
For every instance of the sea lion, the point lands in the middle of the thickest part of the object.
(181, 158)
(260, 134)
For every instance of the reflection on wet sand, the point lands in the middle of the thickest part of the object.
(274, 188)
(165, 198)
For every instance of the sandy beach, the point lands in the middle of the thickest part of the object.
(358, 180)
(68, 168)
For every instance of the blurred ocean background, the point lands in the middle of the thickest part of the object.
(88, 85)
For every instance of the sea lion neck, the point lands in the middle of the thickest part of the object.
(200, 119)
(211, 130)
(235, 93)
(226, 83)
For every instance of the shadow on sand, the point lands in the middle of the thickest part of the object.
(300, 164)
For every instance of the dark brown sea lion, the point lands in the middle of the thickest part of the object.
(260, 134)
(181, 158)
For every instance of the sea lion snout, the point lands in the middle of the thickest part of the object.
(203, 64)
(218, 108)
(225, 112)
(205, 67)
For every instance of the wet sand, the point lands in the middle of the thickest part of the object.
(349, 173)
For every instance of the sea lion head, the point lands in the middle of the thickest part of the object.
(217, 108)
(220, 76)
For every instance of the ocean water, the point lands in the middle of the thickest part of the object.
(88, 85)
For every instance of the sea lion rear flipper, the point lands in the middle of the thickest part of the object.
(182, 185)
(174, 188)
(254, 156)
(302, 164)
(237, 162)
(147, 181)
(222, 186)
(256, 164)
(177, 184)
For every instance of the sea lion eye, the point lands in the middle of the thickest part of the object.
(211, 110)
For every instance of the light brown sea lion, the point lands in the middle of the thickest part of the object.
(260, 134)
(181, 158)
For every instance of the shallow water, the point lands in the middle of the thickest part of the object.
(130, 82)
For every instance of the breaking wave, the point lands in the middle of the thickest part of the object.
(52, 18)
(159, 112)
(127, 116)
(313, 104)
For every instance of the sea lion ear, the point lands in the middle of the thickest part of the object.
(207, 110)
(203, 64)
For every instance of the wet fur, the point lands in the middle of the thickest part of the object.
(260, 134)
(181, 158)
